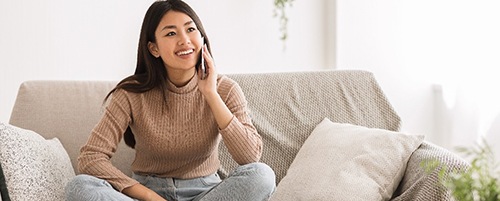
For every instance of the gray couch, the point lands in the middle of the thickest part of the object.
(285, 108)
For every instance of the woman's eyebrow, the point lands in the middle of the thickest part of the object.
(173, 26)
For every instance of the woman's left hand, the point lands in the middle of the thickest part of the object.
(208, 86)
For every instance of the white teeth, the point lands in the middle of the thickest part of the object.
(184, 52)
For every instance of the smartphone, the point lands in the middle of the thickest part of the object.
(201, 62)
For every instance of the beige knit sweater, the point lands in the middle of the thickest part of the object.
(178, 139)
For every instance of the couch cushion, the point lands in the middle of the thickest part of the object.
(34, 168)
(285, 108)
(347, 162)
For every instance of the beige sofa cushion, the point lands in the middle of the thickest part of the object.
(347, 162)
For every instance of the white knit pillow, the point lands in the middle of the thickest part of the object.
(347, 162)
(34, 168)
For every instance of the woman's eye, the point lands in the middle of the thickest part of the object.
(170, 34)
(191, 29)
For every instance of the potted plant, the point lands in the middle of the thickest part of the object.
(480, 182)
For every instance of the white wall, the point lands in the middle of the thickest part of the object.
(369, 37)
(97, 40)
(417, 49)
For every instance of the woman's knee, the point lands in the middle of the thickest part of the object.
(261, 173)
(264, 170)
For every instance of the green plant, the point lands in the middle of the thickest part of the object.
(279, 11)
(479, 182)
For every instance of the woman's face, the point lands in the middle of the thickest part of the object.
(178, 42)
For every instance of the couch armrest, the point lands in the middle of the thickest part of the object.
(417, 184)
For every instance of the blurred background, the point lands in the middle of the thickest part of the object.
(436, 60)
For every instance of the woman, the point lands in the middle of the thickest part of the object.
(175, 121)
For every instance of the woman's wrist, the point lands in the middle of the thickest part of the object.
(211, 96)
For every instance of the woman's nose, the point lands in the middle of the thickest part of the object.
(184, 39)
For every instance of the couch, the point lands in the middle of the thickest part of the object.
(357, 122)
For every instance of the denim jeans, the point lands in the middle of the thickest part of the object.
(252, 182)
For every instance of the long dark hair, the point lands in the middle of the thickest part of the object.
(150, 71)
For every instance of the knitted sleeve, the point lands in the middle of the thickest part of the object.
(240, 136)
(95, 155)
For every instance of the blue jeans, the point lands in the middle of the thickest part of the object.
(254, 181)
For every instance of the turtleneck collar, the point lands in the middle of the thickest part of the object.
(190, 86)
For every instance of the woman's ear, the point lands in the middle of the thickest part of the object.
(153, 49)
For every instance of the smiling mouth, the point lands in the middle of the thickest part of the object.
(184, 52)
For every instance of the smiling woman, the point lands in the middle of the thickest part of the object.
(178, 42)
(175, 121)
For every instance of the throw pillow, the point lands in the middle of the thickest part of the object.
(34, 168)
(347, 162)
